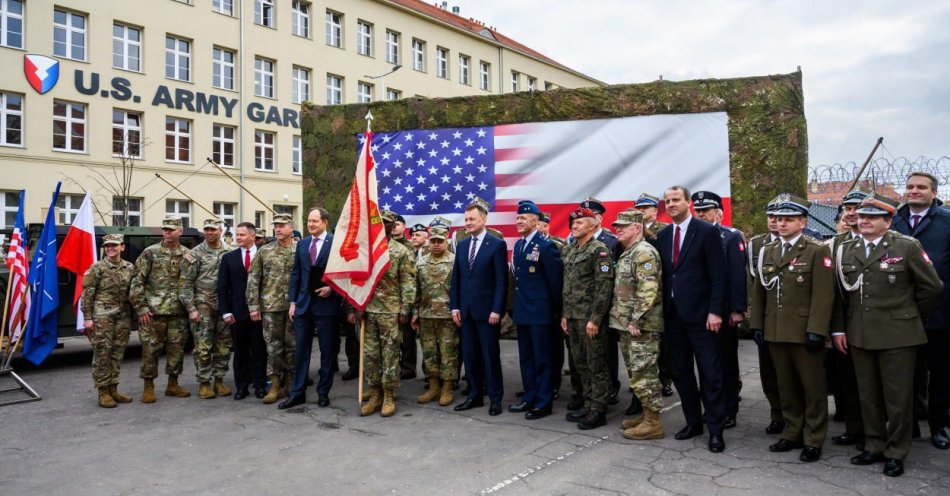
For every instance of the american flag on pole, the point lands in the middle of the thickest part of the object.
(423, 173)
(19, 265)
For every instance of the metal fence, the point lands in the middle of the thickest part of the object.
(883, 174)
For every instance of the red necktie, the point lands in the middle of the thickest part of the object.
(916, 219)
(247, 260)
(676, 246)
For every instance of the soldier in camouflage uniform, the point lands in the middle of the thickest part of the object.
(107, 318)
(432, 319)
(588, 282)
(637, 310)
(197, 289)
(389, 307)
(163, 324)
(268, 283)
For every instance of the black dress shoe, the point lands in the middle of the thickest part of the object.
(688, 432)
(323, 401)
(847, 439)
(292, 402)
(784, 445)
(775, 427)
(810, 454)
(350, 374)
(519, 394)
(576, 416)
(667, 391)
(468, 404)
(494, 409)
(893, 467)
(613, 399)
(536, 413)
(635, 408)
(593, 420)
(939, 438)
(730, 423)
(240, 394)
(519, 408)
(259, 393)
(867, 458)
(575, 404)
(716, 444)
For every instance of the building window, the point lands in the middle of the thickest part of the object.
(68, 206)
(222, 145)
(264, 150)
(532, 83)
(392, 47)
(364, 38)
(222, 68)
(126, 48)
(11, 23)
(364, 92)
(334, 29)
(442, 62)
(296, 160)
(514, 81)
(177, 140)
(259, 221)
(419, 55)
(264, 13)
(301, 85)
(11, 119)
(69, 126)
(464, 63)
(181, 208)
(300, 19)
(484, 75)
(392, 94)
(286, 209)
(9, 204)
(334, 90)
(130, 206)
(263, 77)
(177, 58)
(223, 6)
(225, 211)
(126, 133)
(69, 35)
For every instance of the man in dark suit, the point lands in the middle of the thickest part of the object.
(314, 307)
(538, 272)
(250, 351)
(693, 279)
(477, 298)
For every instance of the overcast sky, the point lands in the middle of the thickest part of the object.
(870, 68)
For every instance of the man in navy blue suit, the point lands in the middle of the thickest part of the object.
(314, 307)
(477, 298)
(537, 269)
(693, 279)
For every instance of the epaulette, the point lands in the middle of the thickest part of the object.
(811, 240)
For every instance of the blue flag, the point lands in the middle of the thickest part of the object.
(42, 327)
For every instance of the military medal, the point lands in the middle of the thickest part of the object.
(800, 279)
(531, 269)
(884, 265)
(892, 278)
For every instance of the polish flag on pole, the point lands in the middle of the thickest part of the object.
(78, 251)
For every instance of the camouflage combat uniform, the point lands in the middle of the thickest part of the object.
(393, 297)
(197, 290)
(154, 289)
(105, 301)
(268, 283)
(588, 282)
(439, 336)
(638, 298)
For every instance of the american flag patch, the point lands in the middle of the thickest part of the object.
(603, 254)
(826, 262)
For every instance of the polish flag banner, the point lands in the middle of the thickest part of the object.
(78, 251)
(424, 173)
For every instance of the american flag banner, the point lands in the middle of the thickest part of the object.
(19, 265)
(423, 173)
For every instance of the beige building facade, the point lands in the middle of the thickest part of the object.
(164, 88)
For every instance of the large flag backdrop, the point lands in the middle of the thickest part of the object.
(427, 172)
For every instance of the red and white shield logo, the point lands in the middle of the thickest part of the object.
(41, 72)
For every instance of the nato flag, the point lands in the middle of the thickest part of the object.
(42, 328)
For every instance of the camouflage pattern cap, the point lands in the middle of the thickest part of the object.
(259, 234)
(439, 233)
(628, 217)
(441, 222)
(388, 216)
(282, 219)
(213, 223)
(480, 203)
(113, 239)
(171, 222)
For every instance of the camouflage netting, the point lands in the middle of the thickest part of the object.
(768, 144)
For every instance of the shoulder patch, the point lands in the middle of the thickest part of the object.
(926, 258)
(603, 254)
(189, 257)
(741, 246)
(826, 261)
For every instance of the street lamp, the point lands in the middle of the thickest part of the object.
(382, 79)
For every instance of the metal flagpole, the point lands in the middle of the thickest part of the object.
(359, 388)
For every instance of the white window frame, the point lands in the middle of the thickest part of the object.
(75, 37)
(364, 92)
(123, 45)
(334, 29)
(364, 38)
(418, 55)
(334, 89)
(465, 64)
(515, 81)
(134, 213)
(173, 207)
(532, 83)
(127, 127)
(300, 87)
(220, 210)
(8, 209)
(296, 158)
(442, 62)
(264, 77)
(484, 69)
(177, 58)
(222, 69)
(220, 139)
(264, 13)
(70, 124)
(70, 207)
(265, 150)
(179, 138)
(225, 7)
(393, 94)
(6, 17)
(8, 114)
(300, 19)
(392, 47)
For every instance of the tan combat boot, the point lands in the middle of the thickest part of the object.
(446, 399)
(105, 399)
(432, 393)
(631, 423)
(173, 389)
(117, 396)
(148, 395)
(389, 403)
(220, 389)
(650, 428)
(374, 404)
(204, 391)
(273, 394)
